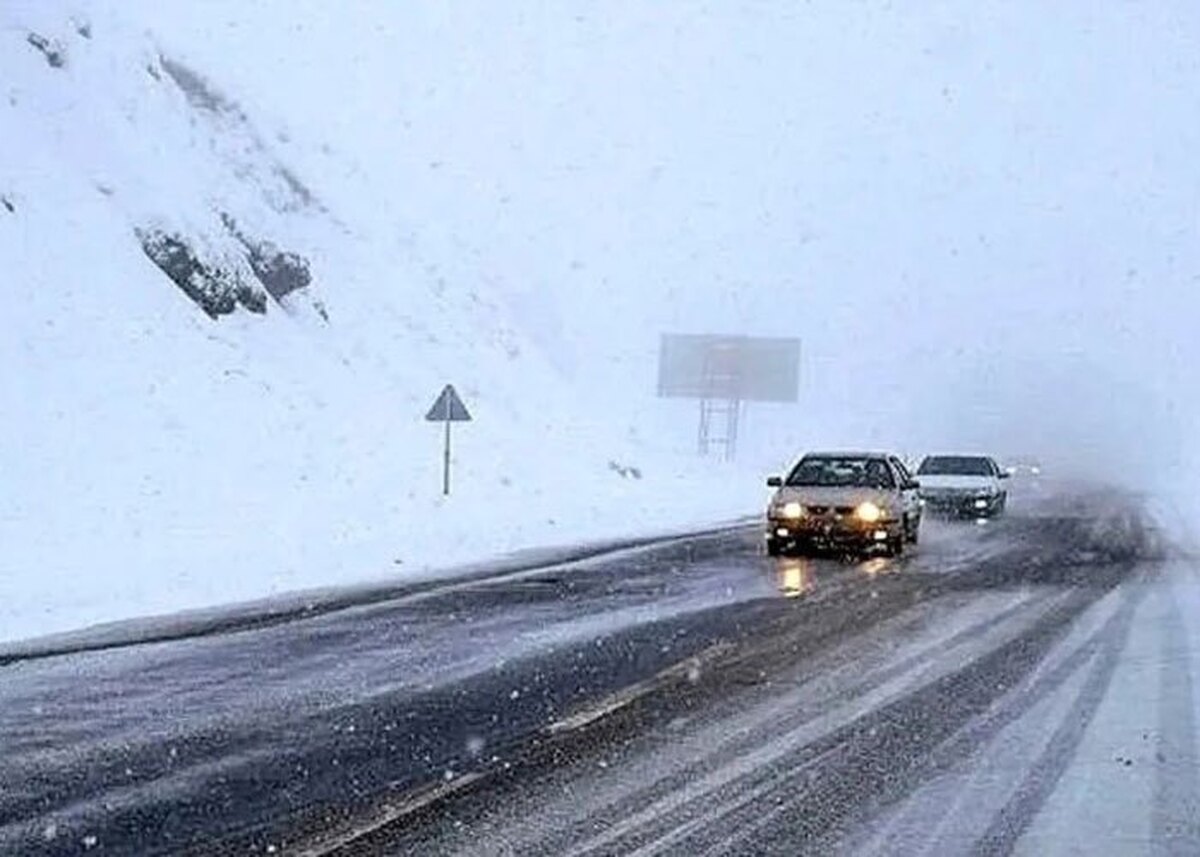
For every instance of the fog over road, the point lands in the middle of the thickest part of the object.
(981, 694)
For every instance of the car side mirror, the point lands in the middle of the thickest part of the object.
(774, 481)
(1005, 474)
(914, 484)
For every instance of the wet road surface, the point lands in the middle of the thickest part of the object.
(690, 697)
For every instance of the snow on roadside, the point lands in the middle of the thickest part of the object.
(154, 459)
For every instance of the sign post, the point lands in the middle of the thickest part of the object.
(448, 408)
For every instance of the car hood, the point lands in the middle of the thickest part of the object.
(822, 496)
(970, 483)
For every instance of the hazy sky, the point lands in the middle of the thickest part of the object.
(981, 218)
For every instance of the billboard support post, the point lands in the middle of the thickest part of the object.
(723, 373)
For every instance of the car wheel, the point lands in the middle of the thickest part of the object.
(913, 532)
(774, 547)
(895, 546)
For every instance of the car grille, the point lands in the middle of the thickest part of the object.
(820, 511)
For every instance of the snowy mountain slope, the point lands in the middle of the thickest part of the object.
(977, 189)
(215, 378)
(979, 217)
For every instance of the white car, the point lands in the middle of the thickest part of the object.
(963, 485)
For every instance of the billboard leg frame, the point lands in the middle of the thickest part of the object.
(707, 436)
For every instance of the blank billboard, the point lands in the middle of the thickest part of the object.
(742, 368)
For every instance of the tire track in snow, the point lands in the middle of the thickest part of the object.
(1014, 818)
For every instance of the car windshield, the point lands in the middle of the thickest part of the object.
(956, 465)
(841, 473)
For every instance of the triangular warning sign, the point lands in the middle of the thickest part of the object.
(448, 408)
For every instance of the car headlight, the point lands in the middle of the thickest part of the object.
(868, 512)
(793, 511)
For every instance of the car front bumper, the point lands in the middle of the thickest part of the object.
(962, 505)
(832, 531)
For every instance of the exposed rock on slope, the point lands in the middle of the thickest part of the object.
(54, 53)
(216, 289)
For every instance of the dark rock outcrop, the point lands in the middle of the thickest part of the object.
(55, 54)
(215, 289)
(625, 471)
(281, 272)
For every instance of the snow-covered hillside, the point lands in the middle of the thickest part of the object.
(215, 376)
(245, 244)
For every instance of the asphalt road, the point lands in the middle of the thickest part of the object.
(691, 697)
